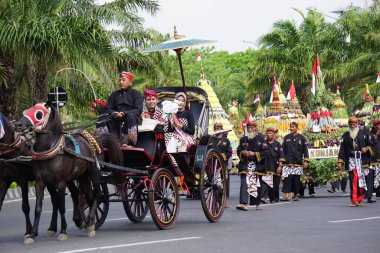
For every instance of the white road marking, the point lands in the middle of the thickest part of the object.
(369, 218)
(131, 244)
(116, 219)
(20, 199)
(67, 210)
(272, 204)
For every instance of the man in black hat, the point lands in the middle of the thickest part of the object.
(296, 159)
(355, 152)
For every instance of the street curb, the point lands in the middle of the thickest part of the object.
(15, 193)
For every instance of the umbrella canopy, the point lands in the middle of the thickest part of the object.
(176, 43)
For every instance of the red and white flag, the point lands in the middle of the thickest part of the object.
(257, 99)
(365, 92)
(198, 56)
(274, 88)
(248, 119)
(378, 78)
(316, 72)
(292, 92)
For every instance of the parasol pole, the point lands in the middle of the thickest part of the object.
(178, 52)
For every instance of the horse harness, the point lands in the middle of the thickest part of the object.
(9, 148)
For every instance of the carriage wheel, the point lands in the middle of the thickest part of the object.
(137, 206)
(213, 187)
(164, 199)
(101, 209)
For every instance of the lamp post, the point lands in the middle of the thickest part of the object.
(347, 37)
(250, 42)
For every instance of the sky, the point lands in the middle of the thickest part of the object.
(232, 22)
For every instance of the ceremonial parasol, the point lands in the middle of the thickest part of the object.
(177, 43)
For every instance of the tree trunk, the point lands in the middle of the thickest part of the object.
(9, 100)
(41, 85)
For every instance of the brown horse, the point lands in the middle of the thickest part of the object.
(55, 167)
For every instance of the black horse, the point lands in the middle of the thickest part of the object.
(55, 167)
(12, 147)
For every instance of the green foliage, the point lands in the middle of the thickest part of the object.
(323, 171)
(334, 136)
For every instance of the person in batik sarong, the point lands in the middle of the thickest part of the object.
(125, 105)
(296, 159)
(372, 174)
(221, 144)
(355, 150)
(181, 125)
(252, 151)
(150, 109)
(377, 171)
(273, 164)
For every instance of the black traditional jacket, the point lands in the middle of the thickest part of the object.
(348, 146)
(257, 145)
(275, 153)
(222, 146)
(374, 149)
(126, 101)
(295, 150)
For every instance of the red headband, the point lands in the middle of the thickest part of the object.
(150, 93)
(127, 75)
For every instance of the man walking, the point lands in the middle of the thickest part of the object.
(356, 148)
(296, 159)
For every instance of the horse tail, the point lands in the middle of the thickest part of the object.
(111, 146)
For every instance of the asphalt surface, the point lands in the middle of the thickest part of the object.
(322, 224)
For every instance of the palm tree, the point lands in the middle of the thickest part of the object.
(40, 36)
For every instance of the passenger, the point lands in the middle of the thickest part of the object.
(151, 110)
(181, 125)
(125, 105)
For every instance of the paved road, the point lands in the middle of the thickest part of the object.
(323, 224)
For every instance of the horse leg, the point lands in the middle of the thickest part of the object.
(40, 187)
(85, 186)
(62, 209)
(54, 217)
(75, 196)
(95, 180)
(3, 191)
(26, 207)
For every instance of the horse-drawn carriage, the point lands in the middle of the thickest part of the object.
(146, 178)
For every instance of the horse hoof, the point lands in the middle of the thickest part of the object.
(62, 237)
(50, 233)
(28, 240)
(91, 231)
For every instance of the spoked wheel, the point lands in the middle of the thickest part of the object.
(101, 209)
(137, 206)
(164, 199)
(213, 187)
